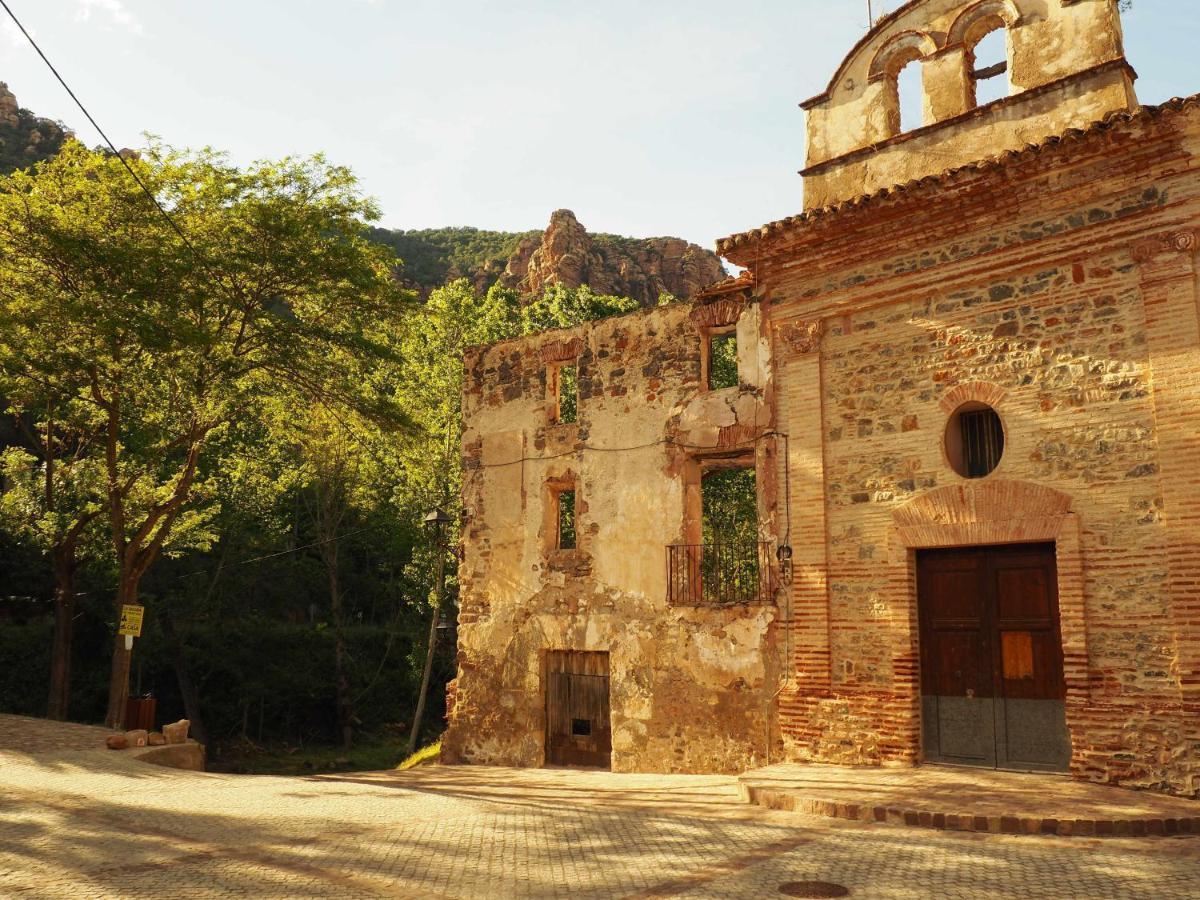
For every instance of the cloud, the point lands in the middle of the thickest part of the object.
(113, 12)
(12, 34)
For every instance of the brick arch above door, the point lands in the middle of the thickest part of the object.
(994, 511)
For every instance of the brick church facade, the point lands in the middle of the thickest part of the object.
(966, 391)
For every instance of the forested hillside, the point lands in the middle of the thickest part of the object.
(433, 257)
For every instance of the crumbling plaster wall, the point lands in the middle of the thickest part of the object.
(1066, 68)
(691, 687)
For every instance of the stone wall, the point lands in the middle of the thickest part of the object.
(692, 687)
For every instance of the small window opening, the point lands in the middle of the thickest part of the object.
(566, 520)
(989, 67)
(581, 727)
(975, 440)
(566, 394)
(723, 360)
(911, 91)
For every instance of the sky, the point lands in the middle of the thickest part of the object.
(647, 118)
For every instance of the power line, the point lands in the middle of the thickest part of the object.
(258, 559)
(113, 147)
(669, 442)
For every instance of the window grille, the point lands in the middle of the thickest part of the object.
(982, 441)
(721, 573)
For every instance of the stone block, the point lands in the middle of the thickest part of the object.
(177, 732)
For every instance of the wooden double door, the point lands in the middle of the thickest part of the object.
(578, 721)
(992, 690)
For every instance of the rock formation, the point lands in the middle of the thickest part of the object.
(643, 269)
(9, 109)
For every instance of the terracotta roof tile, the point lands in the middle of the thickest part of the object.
(729, 285)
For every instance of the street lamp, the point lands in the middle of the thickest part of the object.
(436, 522)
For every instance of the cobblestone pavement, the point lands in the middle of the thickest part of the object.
(84, 824)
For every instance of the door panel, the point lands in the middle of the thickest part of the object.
(1032, 734)
(578, 729)
(961, 729)
(991, 658)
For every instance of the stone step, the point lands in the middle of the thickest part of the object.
(957, 799)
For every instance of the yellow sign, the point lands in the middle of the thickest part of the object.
(131, 620)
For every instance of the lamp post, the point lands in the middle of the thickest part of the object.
(435, 524)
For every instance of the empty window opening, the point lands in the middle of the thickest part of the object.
(730, 505)
(566, 520)
(566, 391)
(910, 91)
(581, 727)
(975, 440)
(723, 360)
(988, 63)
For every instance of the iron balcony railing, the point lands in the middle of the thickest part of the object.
(721, 573)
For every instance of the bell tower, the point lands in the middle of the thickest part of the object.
(1066, 69)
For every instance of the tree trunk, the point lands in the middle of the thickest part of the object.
(344, 710)
(59, 702)
(118, 683)
(187, 688)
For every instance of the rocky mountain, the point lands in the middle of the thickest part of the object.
(643, 269)
(24, 137)
(565, 253)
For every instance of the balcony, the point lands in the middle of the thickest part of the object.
(721, 574)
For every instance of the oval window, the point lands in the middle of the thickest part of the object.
(974, 440)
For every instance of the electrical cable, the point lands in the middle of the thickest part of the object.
(113, 147)
(704, 448)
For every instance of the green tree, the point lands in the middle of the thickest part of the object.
(52, 499)
(454, 318)
(563, 307)
(177, 342)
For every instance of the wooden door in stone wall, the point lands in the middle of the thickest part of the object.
(578, 729)
(991, 658)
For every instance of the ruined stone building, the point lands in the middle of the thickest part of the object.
(963, 387)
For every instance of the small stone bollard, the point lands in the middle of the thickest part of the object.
(156, 739)
(137, 738)
(177, 732)
(116, 742)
